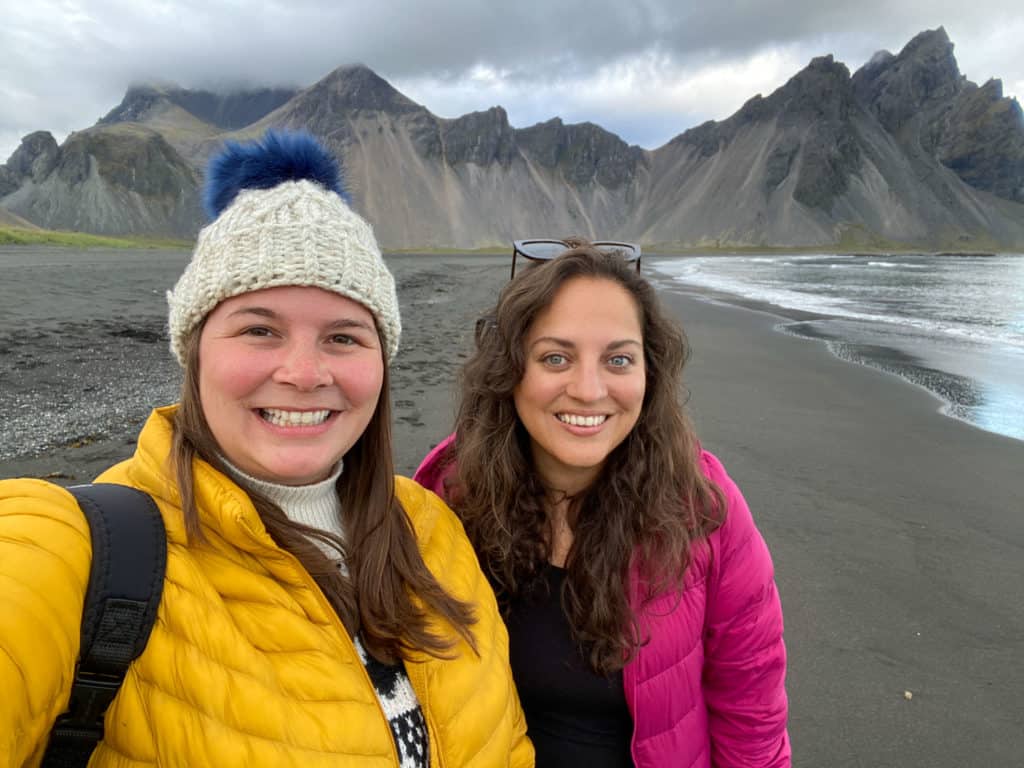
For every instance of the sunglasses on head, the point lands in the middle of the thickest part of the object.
(545, 249)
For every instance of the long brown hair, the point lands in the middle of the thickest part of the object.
(646, 509)
(388, 590)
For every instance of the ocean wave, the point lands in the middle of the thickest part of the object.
(900, 265)
(854, 304)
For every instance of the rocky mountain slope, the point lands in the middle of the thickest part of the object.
(905, 152)
(879, 157)
(109, 180)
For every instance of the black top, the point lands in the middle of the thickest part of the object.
(574, 715)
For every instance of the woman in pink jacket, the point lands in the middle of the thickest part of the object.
(644, 620)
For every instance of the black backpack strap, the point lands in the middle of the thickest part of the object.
(129, 557)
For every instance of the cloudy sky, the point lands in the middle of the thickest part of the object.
(645, 69)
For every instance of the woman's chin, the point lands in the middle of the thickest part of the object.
(292, 472)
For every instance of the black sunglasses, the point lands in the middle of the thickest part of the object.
(545, 249)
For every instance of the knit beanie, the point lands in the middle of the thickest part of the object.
(281, 218)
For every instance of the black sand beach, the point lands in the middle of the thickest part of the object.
(897, 533)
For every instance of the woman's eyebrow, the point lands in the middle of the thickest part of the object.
(344, 322)
(571, 345)
(350, 322)
(624, 343)
(553, 340)
(261, 311)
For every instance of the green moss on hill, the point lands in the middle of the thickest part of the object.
(20, 236)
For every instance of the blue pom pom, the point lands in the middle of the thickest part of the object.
(278, 157)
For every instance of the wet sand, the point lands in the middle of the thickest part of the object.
(897, 533)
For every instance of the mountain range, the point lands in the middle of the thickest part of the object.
(903, 153)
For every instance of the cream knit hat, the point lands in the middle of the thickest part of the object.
(280, 219)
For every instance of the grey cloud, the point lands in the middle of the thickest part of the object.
(65, 63)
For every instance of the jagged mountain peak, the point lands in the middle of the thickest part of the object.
(584, 151)
(981, 137)
(928, 41)
(492, 118)
(819, 70)
(820, 91)
(357, 87)
(355, 73)
(932, 51)
(34, 146)
(557, 127)
(34, 158)
(898, 89)
(482, 137)
(136, 106)
(993, 87)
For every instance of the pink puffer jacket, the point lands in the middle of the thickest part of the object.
(709, 687)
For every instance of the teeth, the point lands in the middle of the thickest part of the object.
(294, 418)
(581, 421)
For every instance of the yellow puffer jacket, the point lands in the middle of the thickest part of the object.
(247, 663)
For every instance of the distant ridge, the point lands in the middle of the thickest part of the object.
(226, 111)
(903, 153)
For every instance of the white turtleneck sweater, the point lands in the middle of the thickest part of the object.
(318, 506)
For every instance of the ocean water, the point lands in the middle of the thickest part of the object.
(953, 324)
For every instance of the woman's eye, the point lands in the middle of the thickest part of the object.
(256, 330)
(343, 339)
(555, 358)
(620, 361)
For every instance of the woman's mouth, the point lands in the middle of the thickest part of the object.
(574, 420)
(282, 418)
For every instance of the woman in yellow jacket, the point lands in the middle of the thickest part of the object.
(316, 610)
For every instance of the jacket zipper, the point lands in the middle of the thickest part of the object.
(418, 677)
(326, 606)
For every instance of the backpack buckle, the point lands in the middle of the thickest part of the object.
(90, 697)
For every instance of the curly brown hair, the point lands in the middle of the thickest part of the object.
(646, 509)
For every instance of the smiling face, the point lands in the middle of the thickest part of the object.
(584, 380)
(289, 378)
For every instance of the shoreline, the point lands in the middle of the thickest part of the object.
(798, 323)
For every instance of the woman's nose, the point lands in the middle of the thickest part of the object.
(302, 367)
(586, 383)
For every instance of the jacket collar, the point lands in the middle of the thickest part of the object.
(224, 507)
